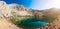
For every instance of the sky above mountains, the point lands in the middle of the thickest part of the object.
(36, 4)
(22, 2)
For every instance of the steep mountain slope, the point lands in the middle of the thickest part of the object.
(5, 24)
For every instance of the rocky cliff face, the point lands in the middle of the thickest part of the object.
(53, 25)
(56, 23)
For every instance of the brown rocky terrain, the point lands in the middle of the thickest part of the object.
(53, 25)
(4, 24)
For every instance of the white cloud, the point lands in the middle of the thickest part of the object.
(45, 4)
(53, 3)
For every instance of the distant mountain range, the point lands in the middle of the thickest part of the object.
(7, 9)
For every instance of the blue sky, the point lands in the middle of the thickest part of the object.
(36, 4)
(23, 2)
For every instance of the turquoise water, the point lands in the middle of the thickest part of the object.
(31, 23)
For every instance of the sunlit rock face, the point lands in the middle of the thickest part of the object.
(7, 9)
(14, 6)
(4, 8)
(2, 3)
(17, 7)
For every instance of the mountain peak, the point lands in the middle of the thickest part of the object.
(17, 7)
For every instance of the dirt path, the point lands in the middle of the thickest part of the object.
(4, 24)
